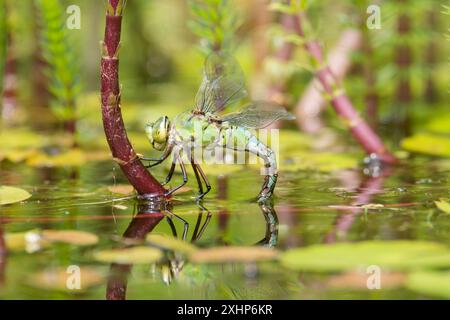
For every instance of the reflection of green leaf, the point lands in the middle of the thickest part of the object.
(10, 195)
(443, 205)
(431, 283)
(135, 255)
(350, 256)
(427, 143)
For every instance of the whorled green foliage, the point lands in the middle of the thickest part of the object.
(59, 54)
(3, 41)
(215, 23)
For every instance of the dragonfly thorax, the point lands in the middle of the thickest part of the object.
(158, 132)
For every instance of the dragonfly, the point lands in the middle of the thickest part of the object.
(223, 120)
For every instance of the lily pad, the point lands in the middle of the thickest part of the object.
(133, 255)
(70, 158)
(443, 206)
(351, 256)
(317, 161)
(432, 283)
(10, 195)
(233, 254)
(170, 243)
(61, 279)
(81, 238)
(30, 241)
(358, 280)
(121, 189)
(427, 143)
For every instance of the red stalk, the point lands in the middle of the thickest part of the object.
(362, 132)
(113, 124)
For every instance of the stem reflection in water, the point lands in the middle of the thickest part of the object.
(149, 215)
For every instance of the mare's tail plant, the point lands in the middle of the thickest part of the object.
(215, 22)
(302, 30)
(62, 69)
(3, 41)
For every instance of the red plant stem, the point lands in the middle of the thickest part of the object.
(362, 132)
(312, 102)
(113, 124)
(10, 103)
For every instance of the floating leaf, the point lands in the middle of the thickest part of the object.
(170, 243)
(18, 139)
(443, 205)
(74, 157)
(317, 161)
(10, 195)
(358, 280)
(30, 241)
(121, 189)
(233, 254)
(61, 279)
(351, 256)
(19, 155)
(426, 143)
(134, 255)
(81, 238)
(431, 283)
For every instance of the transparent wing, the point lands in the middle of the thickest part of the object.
(258, 115)
(222, 86)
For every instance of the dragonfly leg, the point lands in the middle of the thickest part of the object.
(171, 171)
(185, 178)
(197, 175)
(270, 163)
(205, 179)
(163, 157)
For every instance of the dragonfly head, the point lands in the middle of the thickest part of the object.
(158, 132)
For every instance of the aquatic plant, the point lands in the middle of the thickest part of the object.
(300, 29)
(2, 42)
(62, 69)
(113, 124)
(215, 23)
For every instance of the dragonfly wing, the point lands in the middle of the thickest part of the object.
(258, 115)
(222, 86)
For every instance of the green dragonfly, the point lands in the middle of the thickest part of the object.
(220, 119)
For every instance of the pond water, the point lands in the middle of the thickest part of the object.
(310, 208)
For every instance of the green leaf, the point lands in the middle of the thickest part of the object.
(433, 283)
(427, 143)
(398, 254)
(10, 195)
(443, 206)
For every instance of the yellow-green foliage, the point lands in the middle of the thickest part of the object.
(214, 22)
(60, 57)
(2, 41)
